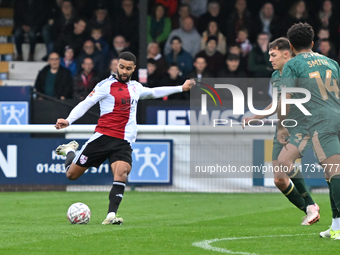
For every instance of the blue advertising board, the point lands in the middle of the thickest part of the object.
(13, 113)
(168, 115)
(14, 105)
(152, 162)
(20, 93)
(184, 115)
(26, 160)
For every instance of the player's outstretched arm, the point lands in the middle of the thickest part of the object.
(158, 92)
(282, 132)
(75, 114)
(187, 85)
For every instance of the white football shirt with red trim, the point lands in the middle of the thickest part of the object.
(118, 103)
(118, 106)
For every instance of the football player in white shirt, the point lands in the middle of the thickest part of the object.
(116, 128)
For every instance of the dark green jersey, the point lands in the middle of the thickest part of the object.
(319, 75)
(276, 76)
(275, 81)
(294, 113)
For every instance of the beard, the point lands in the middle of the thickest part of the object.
(121, 79)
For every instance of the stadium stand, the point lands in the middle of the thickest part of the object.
(19, 70)
(17, 73)
(40, 51)
(6, 45)
(14, 73)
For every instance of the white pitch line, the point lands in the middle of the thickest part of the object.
(205, 244)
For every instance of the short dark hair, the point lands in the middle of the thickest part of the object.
(175, 37)
(281, 43)
(325, 40)
(77, 20)
(128, 56)
(262, 33)
(184, 5)
(70, 1)
(244, 29)
(213, 2)
(173, 64)
(233, 45)
(212, 37)
(96, 27)
(151, 61)
(232, 57)
(301, 35)
(155, 8)
(197, 57)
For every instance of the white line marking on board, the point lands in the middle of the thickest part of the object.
(206, 243)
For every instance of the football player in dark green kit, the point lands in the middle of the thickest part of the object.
(320, 76)
(295, 190)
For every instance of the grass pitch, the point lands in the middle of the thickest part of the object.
(161, 223)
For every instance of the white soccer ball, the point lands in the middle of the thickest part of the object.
(79, 213)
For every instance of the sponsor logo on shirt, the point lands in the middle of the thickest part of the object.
(91, 94)
(128, 101)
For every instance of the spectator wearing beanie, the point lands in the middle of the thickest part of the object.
(214, 58)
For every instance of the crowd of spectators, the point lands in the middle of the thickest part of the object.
(186, 38)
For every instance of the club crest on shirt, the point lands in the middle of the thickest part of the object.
(134, 88)
(83, 159)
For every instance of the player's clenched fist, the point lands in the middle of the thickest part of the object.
(61, 123)
(188, 84)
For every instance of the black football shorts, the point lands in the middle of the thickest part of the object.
(101, 147)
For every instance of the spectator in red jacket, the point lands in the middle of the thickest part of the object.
(86, 80)
(171, 5)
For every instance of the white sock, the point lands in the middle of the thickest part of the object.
(335, 224)
(111, 214)
(68, 150)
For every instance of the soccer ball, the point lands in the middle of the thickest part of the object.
(79, 213)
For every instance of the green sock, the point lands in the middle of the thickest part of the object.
(295, 197)
(335, 193)
(297, 178)
(333, 207)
